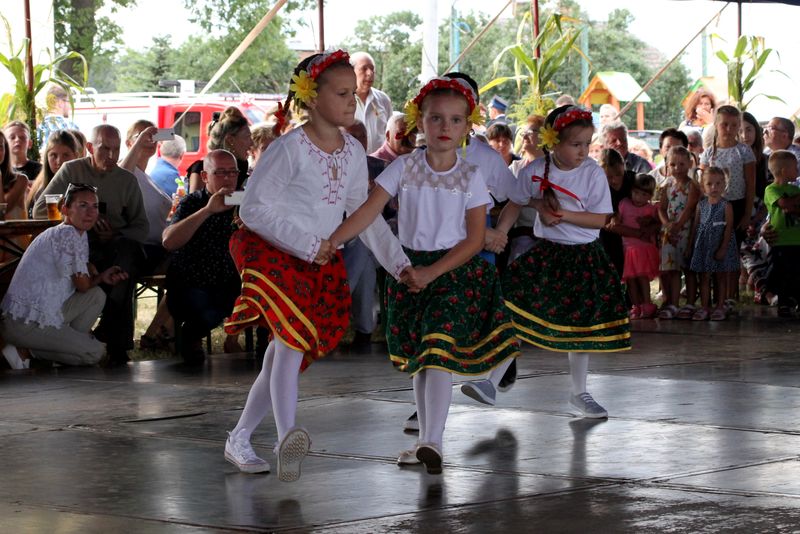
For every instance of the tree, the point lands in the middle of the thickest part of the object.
(79, 29)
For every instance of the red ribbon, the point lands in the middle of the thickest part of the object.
(547, 184)
(280, 115)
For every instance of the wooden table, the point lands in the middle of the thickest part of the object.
(16, 228)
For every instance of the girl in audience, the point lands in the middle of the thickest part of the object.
(53, 300)
(714, 250)
(501, 139)
(230, 131)
(62, 146)
(14, 186)
(620, 182)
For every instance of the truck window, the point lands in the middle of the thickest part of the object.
(189, 129)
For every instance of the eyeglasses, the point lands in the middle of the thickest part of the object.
(78, 187)
(224, 173)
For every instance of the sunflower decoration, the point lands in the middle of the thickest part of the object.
(304, 87)
(412, 116)
(548, 138)
(476, 117)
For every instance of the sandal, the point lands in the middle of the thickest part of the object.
(700, 315)
(719, 314)
(668, 311)
(687, 312)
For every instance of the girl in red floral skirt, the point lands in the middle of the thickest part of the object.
(565, 294)
(293, 279)
(448, 316)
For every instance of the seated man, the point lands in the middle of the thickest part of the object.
(202, 280)
(117, 236)
(166, 171)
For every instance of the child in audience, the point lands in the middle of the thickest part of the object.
(62, 146)
(714, 249)
(19, 140)
(641, 253)
(679, 197)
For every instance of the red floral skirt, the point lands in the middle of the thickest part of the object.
(305, 305)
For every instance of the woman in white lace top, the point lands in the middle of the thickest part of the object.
(53, 299)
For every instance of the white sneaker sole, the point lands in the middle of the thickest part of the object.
(248, 468)
(581, 413)
(474, 392)
(291, 451)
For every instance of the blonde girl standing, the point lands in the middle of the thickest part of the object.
(293, 278)
(565, 294)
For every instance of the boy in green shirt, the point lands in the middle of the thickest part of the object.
(782, 199)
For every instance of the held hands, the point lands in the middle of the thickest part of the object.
(417, 278)
(325, 253)
(113, 275)
(495, 241)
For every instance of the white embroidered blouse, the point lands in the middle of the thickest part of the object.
(433, 205)
(298, 194)
(43, 279)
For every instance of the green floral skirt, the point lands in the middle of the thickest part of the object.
(567, 298)
(458, 323)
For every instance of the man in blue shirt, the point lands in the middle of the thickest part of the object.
(166, 170)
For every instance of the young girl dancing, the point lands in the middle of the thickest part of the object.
(679, 196)
(641, 253)
(565, 294)
(293, 279)
(714, 244)
(450, 318)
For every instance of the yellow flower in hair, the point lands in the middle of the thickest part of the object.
(412, 116)
(304, 87)
(548, 137)
(476, 117)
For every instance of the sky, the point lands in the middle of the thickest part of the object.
(666, 25)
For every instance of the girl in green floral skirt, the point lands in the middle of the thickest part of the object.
(564, 293)
(446, 315)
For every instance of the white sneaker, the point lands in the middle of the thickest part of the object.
(240, 453)
(430, 455)
(291, 450)
(408, 457)
(587, 406)
(13, 358)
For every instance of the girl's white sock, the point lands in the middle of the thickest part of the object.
(419, 382)
(578, 368)
(283, 386)
(258, 402)
(438, 395)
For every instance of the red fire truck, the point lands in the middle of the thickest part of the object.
(164, 109)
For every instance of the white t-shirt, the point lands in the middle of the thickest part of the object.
(588, 182)
(43, 279)
(526, 215)
(733, 159)
(433, 205)
(499, 178)
(374, 113)
(298, 194)
(156, 205)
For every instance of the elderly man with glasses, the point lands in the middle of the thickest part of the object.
(778, 135)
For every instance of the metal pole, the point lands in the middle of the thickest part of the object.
(321, 10)
(29, 67)
(535, 12)
(584, 61)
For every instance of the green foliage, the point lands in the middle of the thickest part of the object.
(556, 42)
(752, 53)
(21, 104)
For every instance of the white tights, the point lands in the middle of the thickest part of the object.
(275, 388)
(433, 391)
(578, 368)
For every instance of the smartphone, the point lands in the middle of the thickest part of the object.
(234, 199)
(164, 134)
(101, 207)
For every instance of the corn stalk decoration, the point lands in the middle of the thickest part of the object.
(555, 42)
(750, 53)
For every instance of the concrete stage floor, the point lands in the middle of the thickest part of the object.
(704, 436)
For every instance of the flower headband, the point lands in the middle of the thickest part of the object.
(548, 136)
(304, 83)
(412, 110)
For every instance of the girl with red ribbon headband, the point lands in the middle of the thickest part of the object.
(447, 314)
(565, 293)
(293, 278)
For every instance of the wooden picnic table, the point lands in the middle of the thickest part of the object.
(17, 228)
